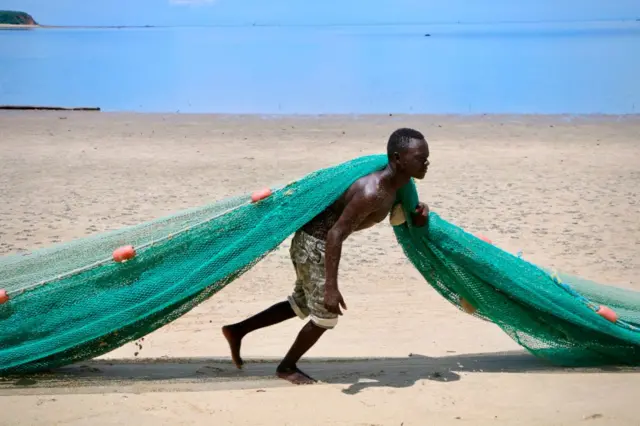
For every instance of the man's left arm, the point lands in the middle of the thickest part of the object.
(420, 217)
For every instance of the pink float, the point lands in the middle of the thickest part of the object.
(122, 254)
(607, 313)
(4, 297)
(485, 239)
(260, 194)
(467, 307)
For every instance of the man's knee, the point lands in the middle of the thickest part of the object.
(328, 323)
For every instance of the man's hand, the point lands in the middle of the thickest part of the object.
(421, 215)
(333, 300)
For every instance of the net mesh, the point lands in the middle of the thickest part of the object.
(553, 315)
(72, 302)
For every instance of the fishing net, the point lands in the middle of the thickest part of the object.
(553, 315)
(73, 302)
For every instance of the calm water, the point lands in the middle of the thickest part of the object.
(543, 68)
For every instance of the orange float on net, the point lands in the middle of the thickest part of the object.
(607, 313)
(122, 254)
(4, 297)
(467, 307)
(485, 239)
(260, 194)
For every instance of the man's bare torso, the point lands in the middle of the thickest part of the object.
(320, 225)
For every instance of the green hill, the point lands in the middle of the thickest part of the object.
(16, 18)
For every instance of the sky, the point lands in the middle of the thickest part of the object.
(212, 12)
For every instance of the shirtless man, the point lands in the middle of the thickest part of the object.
(316, 249)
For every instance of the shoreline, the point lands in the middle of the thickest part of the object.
(45, 108)
(18, 26)
(21, 109)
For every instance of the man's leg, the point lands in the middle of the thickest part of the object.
(294, 305)
(235, 332)
(288, 368)
(311, 273)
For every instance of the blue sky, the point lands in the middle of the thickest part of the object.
(206, 12)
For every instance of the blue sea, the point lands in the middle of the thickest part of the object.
(539, 68)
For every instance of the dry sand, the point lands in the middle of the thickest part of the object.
(562, 189)
(17, 27)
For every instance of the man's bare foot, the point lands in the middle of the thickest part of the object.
(295, 376)
(234, 340)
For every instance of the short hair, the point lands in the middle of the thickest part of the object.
(401, 139)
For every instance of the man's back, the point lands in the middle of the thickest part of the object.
(383, 199)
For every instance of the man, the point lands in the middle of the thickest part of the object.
(316, 249)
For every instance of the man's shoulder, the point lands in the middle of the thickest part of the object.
(366, 190)
(364, 185)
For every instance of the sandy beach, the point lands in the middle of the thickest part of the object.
(17, 27)
(564, 190)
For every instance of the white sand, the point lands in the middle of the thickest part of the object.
(17, 27)
(563, 190)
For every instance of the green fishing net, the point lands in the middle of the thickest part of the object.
(73, 302)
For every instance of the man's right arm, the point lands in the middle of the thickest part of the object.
(353, 215)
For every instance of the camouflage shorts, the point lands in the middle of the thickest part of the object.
(307, 299)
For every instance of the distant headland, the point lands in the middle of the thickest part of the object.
(14, 18)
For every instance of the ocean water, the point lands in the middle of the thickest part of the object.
(545, 68)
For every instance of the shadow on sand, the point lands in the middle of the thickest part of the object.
(197, 374)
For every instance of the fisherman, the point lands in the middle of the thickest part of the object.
(316, 249)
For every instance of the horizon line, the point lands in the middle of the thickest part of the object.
(341, 24)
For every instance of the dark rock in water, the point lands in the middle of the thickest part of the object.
(427, 35)
(11, 17)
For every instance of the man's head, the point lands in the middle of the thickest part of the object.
(408, 152)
